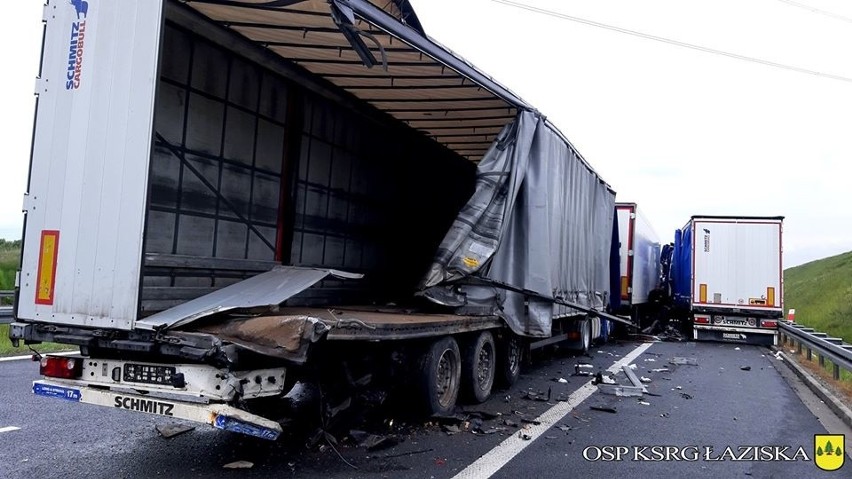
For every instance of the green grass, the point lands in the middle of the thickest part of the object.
(821, 293)
(10, 257)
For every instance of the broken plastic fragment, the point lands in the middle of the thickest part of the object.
(686, 361)
(239, 465)
(171, 430)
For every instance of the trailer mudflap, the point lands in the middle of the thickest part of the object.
(221, 416)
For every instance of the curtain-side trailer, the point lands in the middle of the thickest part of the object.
(728, 277)
(226, 197)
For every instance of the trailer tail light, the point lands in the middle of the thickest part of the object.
(58, 367)
(702, 319)
(768, 323)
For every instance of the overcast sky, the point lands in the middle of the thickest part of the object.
(678, 131)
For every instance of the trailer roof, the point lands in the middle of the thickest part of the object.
(735, 217)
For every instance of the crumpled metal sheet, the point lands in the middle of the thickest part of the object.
(264, 291)
(285, 337)
(540, 220)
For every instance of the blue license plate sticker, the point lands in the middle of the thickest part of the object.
(59, 392)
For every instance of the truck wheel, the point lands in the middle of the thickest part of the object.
(440, 376)
(585, 335)
(478, 367)
(509, 352)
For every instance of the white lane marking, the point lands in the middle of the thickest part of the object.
(30, 356)
(9, 428)
(504, 452)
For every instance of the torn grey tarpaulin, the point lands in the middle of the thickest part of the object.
(540, 220)
(285, 337)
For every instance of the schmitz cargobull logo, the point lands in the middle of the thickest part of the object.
(829, 451)
(76, 45)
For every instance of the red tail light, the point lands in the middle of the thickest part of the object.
(768, 323)
(702, 320)
(58, 367)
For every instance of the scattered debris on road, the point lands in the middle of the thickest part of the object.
(644, 403)
(746, 368)
(632, 377)
(684, 361)
(686, 396)
(239, 465)
(620, 391)
(644, 379)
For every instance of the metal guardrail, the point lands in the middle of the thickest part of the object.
(6, 310)
(804, 338)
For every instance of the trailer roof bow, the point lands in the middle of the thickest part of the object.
(420, 82)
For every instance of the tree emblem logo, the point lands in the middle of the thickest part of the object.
(829, 453)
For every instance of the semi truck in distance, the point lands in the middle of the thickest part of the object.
(226, 198)
(727, 277)
(639, 266)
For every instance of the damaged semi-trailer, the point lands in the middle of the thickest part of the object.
(639, 254)
(229, 189)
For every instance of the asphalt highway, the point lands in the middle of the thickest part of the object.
(733, 399)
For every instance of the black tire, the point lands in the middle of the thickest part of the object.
(509, 356)
(478, 367)
(585, 335)
(440, 377)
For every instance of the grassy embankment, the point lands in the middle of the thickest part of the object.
(10, 253)
(821, 293)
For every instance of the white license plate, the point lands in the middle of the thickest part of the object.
(731, 336)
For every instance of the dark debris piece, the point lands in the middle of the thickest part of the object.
(604, 409)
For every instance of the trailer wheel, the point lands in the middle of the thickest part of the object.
(478, 367)
(440, 376)
(585, 335)
(509, 352)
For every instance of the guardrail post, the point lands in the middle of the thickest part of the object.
(810, 354)
(799, 347)
(836, 372)
(822, 360)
